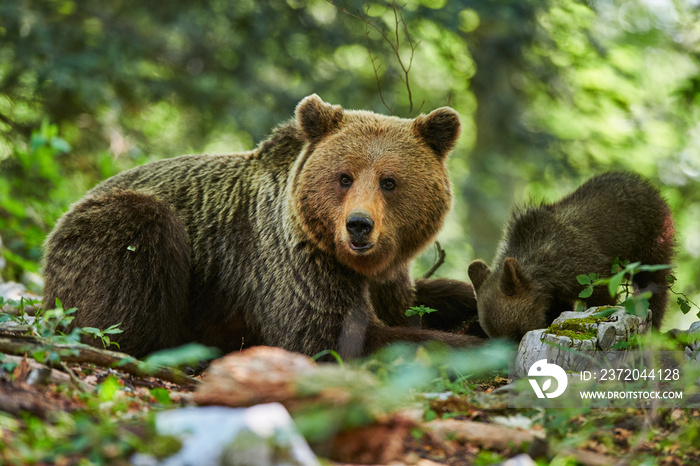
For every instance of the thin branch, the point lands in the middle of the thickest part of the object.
(375, 68)
(395, 46)
(440, 260)
(398, 14)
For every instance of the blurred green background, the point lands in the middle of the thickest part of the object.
(550, 93)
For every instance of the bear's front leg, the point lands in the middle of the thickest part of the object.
(378, 335)
(363, 333)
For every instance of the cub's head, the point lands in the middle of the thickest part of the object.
(508, 302)
(370, 189)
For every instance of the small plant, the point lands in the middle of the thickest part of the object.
(104, 334)
(45, 324)
(48, 326)
(623, 273)
(419, 311)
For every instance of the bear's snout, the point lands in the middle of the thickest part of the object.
(359, 224)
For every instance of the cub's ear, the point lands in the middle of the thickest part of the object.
(513, 279)
(440, 129)
(317, 118)
(478, 272)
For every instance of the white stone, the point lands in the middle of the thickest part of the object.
(565, 352)
(262, 435)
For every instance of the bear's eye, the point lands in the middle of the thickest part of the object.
(388, 184)
(345, 180)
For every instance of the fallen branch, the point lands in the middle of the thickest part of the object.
(52, 375)
(489, 436)
(77, 353)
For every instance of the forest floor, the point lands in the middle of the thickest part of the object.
(57, 409)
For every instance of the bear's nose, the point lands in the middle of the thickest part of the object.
(359, 224)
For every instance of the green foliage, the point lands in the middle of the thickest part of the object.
(33, 194)
(654, 435)
(47, 325)
(389, 381)
(186, 355)
(91, 435)
(622, 275)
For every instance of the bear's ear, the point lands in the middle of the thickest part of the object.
(317, 118)
(513, 279)
(478, 272)
(440, 129)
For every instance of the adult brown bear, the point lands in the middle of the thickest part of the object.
(304, 243)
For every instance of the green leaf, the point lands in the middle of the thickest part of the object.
(191, 353)
(630, 306)
(113, 329)
(605, 312)
(60, 145)
(108, 389)
(621, 345)
(583, 279)
(684, 305)
(39, 356)
(638, 305)
(586, 293)
(632, 268)
(9, 366)
(615, 266)
(615, 282)
(653, 268)
(161, 395)
(333, 353)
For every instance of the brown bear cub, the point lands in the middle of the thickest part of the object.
(545, 247)
(304, 243)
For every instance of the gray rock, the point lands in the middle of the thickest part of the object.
(522, 459)
(13, 291)
(566, 352)
(692, 350)
(262, 435)
(606, 335)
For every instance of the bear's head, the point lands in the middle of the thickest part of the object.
(372, 190)
(508, 302)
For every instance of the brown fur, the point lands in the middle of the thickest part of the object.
(267, 247)
(544, 248)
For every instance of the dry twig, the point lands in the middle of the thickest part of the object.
(440, 260)
(395, 45)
